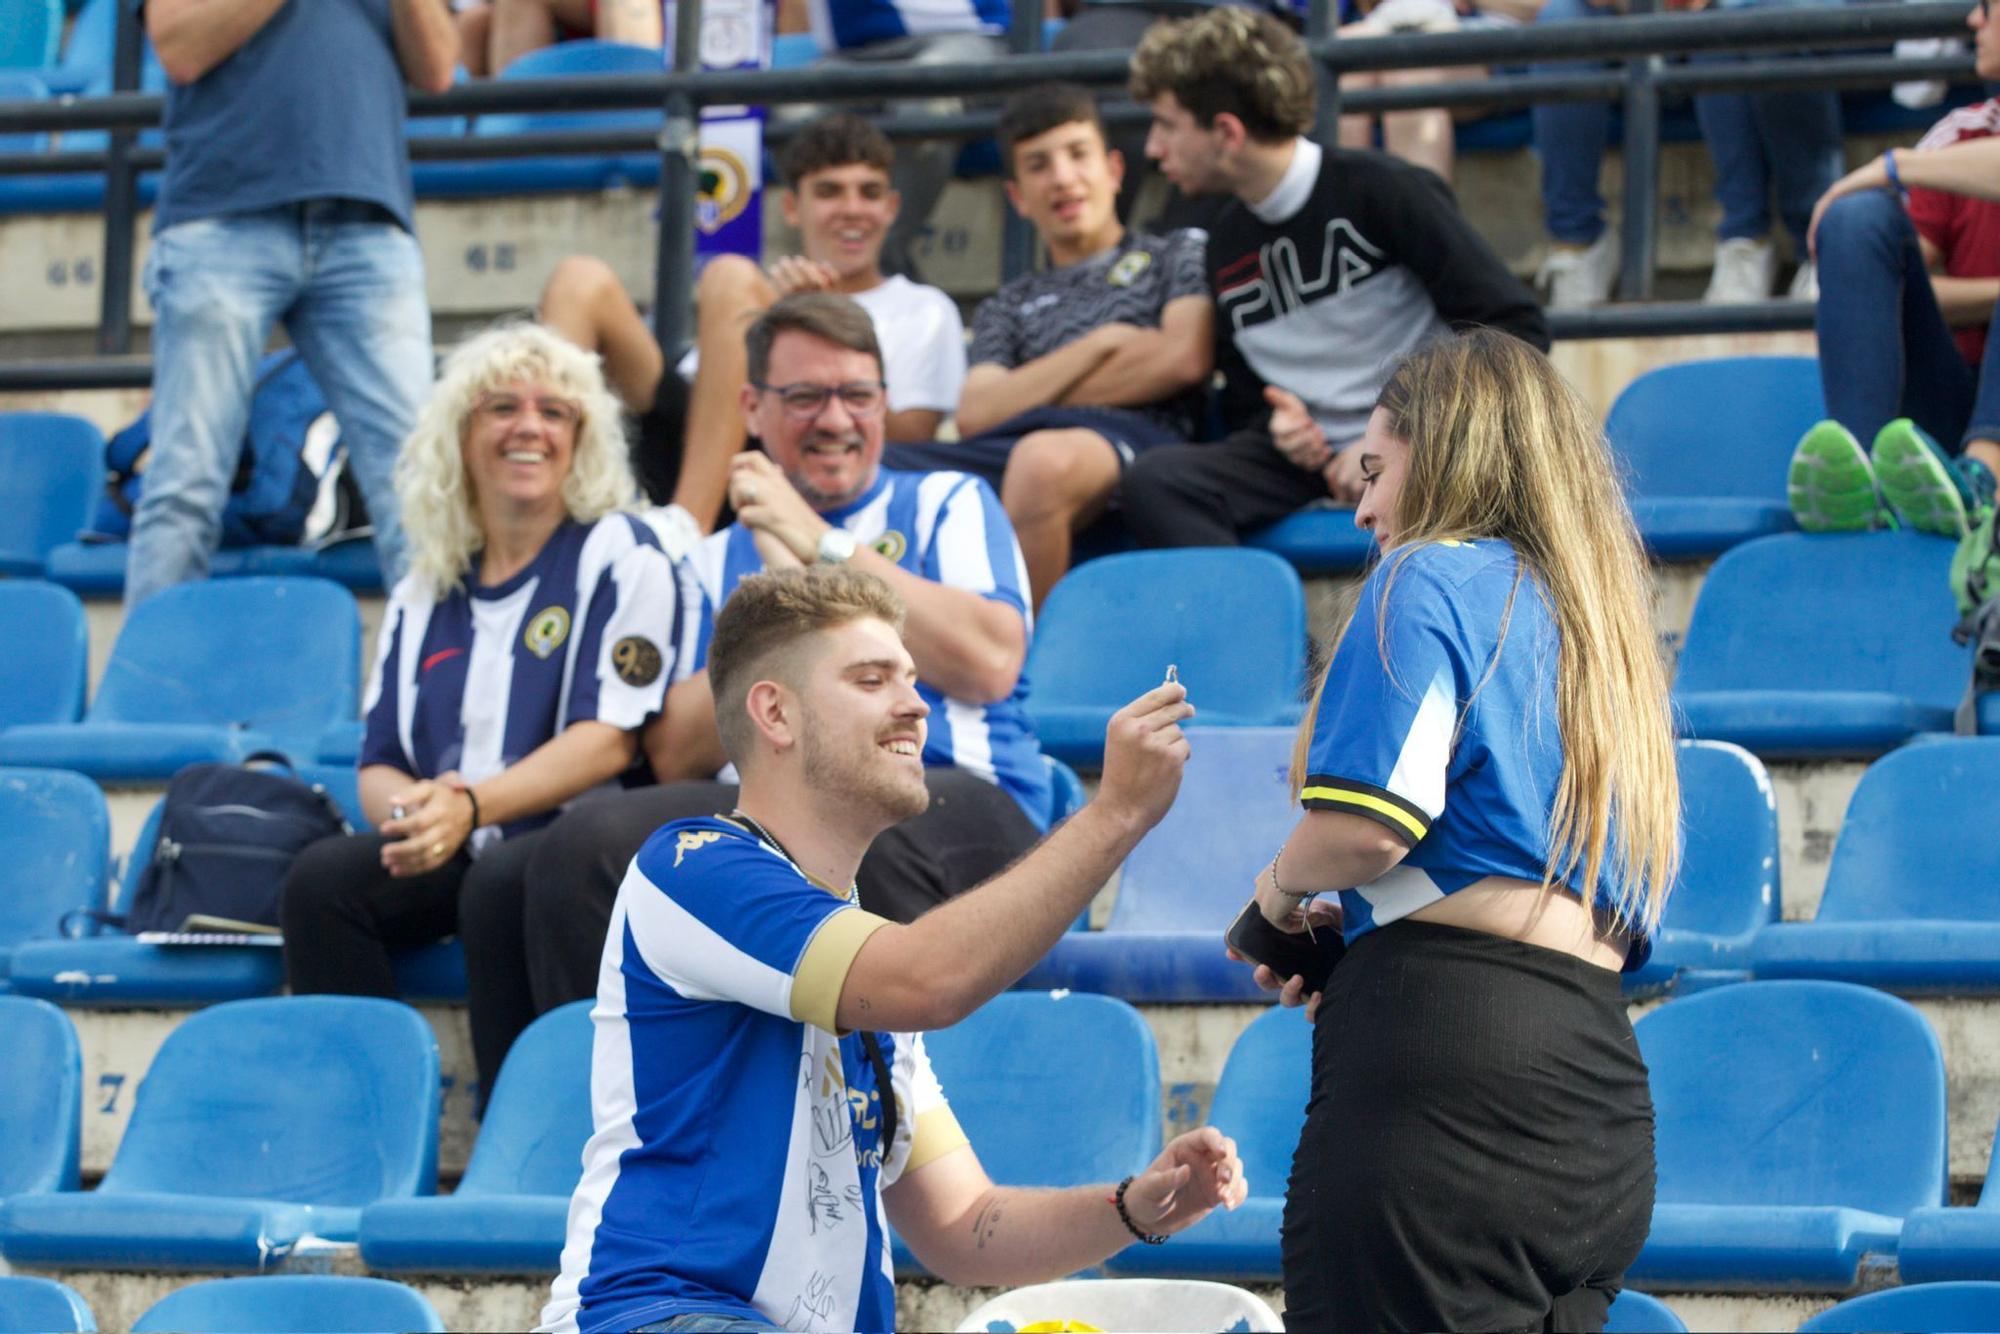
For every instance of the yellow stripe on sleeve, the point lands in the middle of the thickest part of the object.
(1402, 818)
(822, 969)
(936, 1135)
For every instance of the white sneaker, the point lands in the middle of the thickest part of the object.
(1805, 283)
(1580, 276)
(1744, 269)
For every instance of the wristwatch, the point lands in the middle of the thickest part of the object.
(836, 546)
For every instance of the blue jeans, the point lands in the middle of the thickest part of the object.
(349, 286)
(705, 1322)
(1885, 350)
(1790, 141)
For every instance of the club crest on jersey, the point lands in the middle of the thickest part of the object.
(693, 840)
(724, 189)
(1128, 268)
(636, 659)
(546, 631)
(891, 546)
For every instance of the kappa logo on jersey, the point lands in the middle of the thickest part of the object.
(891, 546)
(546, 631)
(1127, 270)
(1273, 282)
(693, 840)
(636, 659)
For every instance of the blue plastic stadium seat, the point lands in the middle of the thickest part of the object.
(51, 466)
(570, 173)
(1260, 1102)
(41, 1098)
(1909, 903)
(97, 569)
(1728, 886)
(1928, 1308)
(1086, 1064)
(261, 1122)
(1635, 1313)
(1112, 627)
(789, 50)
(43, 673)
(211, 670)
(1797, 1124)
(1188, 878)
(1955, 1243)
(1707, 444)
(32, 33)
(303, 1303)
(1988, 713)
(42, 1306)
(1823, 646)
(510, 1212)
(1319, 540)
(84, 70)
(55, 849)
(18, 85)
(1066, 794)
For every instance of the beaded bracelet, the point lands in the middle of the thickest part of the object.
(1281, 891)
(1895, 177)
(1150, 1238)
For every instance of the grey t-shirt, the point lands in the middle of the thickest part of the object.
(1130, 283)
(311, 107)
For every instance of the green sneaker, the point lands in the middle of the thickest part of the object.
(1918, 480)
(1831, 484)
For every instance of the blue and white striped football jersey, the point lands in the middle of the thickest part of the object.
(949, 528)
(737, 1163)
(1438, 721)
(474, 681)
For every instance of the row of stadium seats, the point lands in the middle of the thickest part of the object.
(1700, 484)
(266, 1123)
(323, 1302)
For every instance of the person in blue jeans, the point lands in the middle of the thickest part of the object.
(1786, 144)
(1909, 245)
(286, 197)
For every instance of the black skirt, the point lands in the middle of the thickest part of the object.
(1478, 1148)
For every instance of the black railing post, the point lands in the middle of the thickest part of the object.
(680, 165)
(121, 200)
(1322, 18)
(1017, 236)
(1640, 239)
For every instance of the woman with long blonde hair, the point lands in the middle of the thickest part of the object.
(1489, 783)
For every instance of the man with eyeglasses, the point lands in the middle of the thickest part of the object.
(818, 494)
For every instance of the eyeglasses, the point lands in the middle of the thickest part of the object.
(509, 407)
(803, 402)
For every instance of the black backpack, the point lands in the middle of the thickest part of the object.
(228, 834)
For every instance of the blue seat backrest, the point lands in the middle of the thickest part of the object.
(1916, 842)
(308, 1099)
(1193, 871)
(1066, 791)
(1086, 1064)
(319, 1303)
(569, 58)
(41, 1098)
(1810, 612)
(135, 861)
(21, 86)
(51, 466)
(531, 1142)
(55, 848)
(1796, 1093)
(1728, 884)
(47, 662)
(1924, 1308)
(1260, 1100)
(278, 654)
(1715, 428)
(31, 34)
(1233, 620)
(1636, 1313)
(42, 1306)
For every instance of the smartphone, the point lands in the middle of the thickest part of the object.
(1288, 954)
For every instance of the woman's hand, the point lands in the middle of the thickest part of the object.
(435, 823)
(1319, 915)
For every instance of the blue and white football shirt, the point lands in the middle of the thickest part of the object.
(737, 1162)
(1438, 720)
(949, 528)
(476, 680)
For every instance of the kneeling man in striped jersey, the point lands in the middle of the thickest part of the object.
(763, 1105)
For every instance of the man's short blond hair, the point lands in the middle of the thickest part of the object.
(1242, 61)
(763, 626)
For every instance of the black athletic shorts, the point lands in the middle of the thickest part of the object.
(1478, 1148)
(659, 436)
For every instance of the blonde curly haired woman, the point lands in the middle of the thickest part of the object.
(1489, 783)
(518, 659)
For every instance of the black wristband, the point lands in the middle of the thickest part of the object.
(1150, 1238)
(474, 799)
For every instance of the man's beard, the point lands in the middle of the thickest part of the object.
(889, 797)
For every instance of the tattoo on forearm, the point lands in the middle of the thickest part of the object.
(985, 1224)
